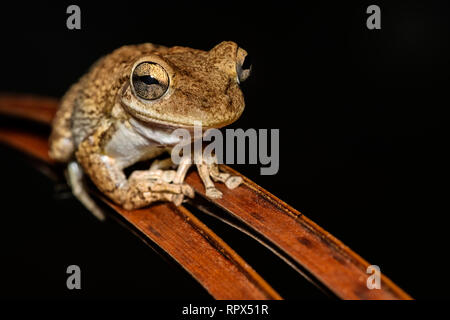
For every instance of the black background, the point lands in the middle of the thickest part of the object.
(362, 145)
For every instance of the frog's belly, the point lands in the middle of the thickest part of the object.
(127, 146)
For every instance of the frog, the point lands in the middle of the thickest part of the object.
(125, 109)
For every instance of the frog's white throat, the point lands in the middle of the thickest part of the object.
(161, 135)
(135, 141)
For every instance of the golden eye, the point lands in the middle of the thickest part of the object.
(150, 81)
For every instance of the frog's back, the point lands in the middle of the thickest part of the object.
(91, 99)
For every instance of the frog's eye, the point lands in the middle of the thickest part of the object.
(150, 81)
(244, 65)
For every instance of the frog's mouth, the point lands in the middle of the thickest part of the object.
(164, 134)
(153, 118)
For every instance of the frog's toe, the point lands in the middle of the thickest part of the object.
(177, 199)
(188, 190)
(233, 182)
(168, 175)
(213, 193)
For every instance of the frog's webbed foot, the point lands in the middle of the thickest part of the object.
(156, 185)
(208, 170)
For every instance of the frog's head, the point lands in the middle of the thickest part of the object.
(180, 86)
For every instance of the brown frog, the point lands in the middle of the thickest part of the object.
(125, 109)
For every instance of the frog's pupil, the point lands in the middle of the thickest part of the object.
(247, 63)
(148, 80)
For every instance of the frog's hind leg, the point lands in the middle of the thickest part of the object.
(75, 176)
(61, 143)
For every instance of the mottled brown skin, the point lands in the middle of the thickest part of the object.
(101, 119)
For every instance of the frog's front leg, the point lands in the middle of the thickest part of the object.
(140, 189)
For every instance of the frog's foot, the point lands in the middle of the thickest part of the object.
(155, 185)
(213, 193)
(75, 177)
(211, 170)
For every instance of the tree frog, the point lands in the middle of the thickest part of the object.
(124, 110)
